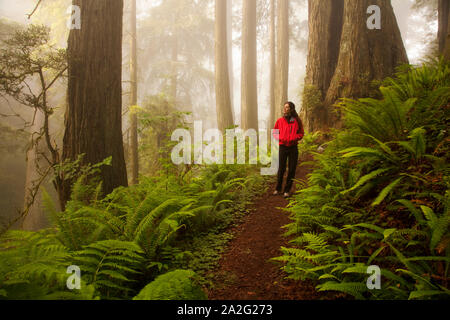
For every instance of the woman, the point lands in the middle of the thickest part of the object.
(290, 133)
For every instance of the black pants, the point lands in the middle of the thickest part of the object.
(286, 153)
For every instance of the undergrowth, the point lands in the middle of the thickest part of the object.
(131, 239)
(379, 195)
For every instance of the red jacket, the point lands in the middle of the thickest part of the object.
(290, 132)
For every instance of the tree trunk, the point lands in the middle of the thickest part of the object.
(174, 60)
(223, 102)
(272, 40)
(94, 115)
(365, 55)
(282, 74)
(230, 52)
(444, 28)
(35, 218)
(133, 98)
(249, 100)
(325, 27)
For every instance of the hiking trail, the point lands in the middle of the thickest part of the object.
(244, 271)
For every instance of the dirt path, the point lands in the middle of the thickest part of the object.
(245, 272)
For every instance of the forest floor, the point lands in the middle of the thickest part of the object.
(244, 271)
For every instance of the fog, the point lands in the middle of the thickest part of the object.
(195, 68)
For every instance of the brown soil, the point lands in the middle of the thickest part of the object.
(244, 271)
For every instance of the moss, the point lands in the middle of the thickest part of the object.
(312, 98)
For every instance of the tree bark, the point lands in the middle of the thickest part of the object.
(133, 98)
(444, 28)
(365, 55)
(325, 28)
(272, 40)
(249, 100)
(282, 66)
(223, 102)
(94, 116)
(230, 52)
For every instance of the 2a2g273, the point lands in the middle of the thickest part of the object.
(246, 309)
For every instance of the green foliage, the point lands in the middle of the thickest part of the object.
(110, 265)
(385, 200)
(25, 56)
(174, 285)
(129, 237)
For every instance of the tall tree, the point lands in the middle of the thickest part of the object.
(365, 54)
(223, 102)
(133, 96)
(35, 218)
(178, 46)
(444, 28)
(282, 66)
(272, 40)
(230, 51)
(325, 27)
(94, 116)
(249, 100)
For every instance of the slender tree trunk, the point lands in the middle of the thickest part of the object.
(230, 52)
(133, 97)
(94, 115)
(35, 218)
(174, 59)
(444, 28)
(282, 74)
(249, 100)
(325, 27)
(272, 40)
(365, 55)
(223, 102)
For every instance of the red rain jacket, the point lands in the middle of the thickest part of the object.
(290, 132)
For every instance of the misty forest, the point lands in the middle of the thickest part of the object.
(118, 179)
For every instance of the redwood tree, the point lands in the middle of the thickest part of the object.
(272, 40)
(134, 161)
(94, 114)
(345, 56)
(325, 27)
(444, 28)
(282, 65)
(365, 54)
(223, 102)
(249, 100)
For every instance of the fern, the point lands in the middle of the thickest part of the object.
(175, 285)
(110, 265)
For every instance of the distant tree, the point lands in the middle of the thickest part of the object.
(29, 68)
(134, 157)
(94, 113)
(249, 96)
(272, 45)
(223, 101)
(177, 44)
(158, 118)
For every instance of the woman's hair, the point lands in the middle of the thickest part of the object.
(294, 113)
